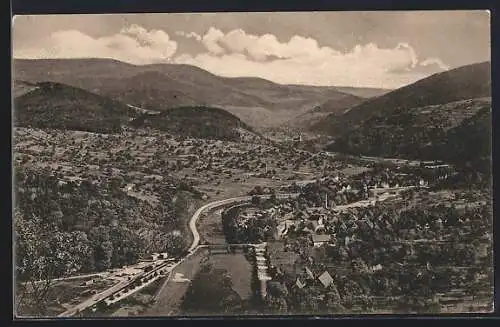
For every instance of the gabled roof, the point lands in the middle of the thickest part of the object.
(299, 283)
(325, 279)
(321, 238)
(309, 272)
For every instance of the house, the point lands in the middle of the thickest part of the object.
(320, 239)
(130, 187)
(325, 279)
(317, 227)
(300, 284)
(88, 282)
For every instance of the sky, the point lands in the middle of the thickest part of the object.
(383, 49)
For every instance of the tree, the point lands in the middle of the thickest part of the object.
(41, 256)
(273, 199)
(126, 246)
(175, 243)
(331, 302)
(103, 247)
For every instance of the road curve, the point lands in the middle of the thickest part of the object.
(220, 203)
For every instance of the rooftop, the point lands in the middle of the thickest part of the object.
(321, 238)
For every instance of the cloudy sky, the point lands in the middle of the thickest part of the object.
(370, 49)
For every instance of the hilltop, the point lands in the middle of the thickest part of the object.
(59, 106)
(22, 87)
(197, 122)
(163, 86)
(467, 82)
(363, 92)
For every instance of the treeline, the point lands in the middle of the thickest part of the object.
(405, 134)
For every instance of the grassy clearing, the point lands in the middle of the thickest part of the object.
(351, 170)
(231, 188)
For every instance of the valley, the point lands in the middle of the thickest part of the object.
(140, 188)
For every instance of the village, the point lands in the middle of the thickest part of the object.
(339, 226)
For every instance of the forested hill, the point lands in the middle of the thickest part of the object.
(469, 143)
(60, 106)
(431, 132)
(198, 122)
(160, 87)
(467, 82)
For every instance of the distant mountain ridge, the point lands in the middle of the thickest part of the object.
(164, 86)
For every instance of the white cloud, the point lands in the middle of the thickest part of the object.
(210, 40)
(191, 35)
(434, 61)
(132, 44)
(299, 60)
(302, 60)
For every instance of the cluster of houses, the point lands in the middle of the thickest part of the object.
(310, 220)
(310, 277)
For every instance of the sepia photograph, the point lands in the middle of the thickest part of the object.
(252, 164)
